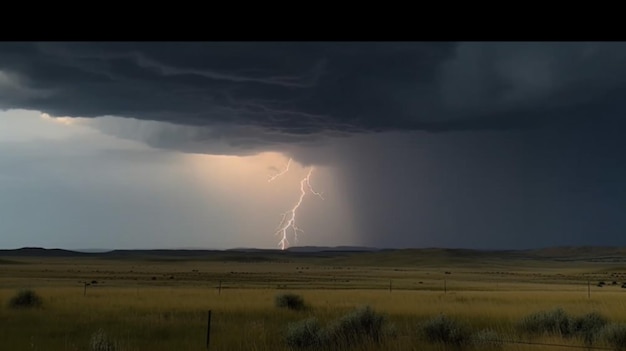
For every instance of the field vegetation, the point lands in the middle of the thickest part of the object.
(388, 300)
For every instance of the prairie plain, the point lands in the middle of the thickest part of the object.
(159, 300)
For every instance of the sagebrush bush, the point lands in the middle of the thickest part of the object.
(357, 326)
(100, 341)
(615, 335)
(290, 301)
(26, 299)
(486, 339)
(555, 321)
(588, 326)
(445, 330)
(558, 322)
(362, 325)
(305, 334)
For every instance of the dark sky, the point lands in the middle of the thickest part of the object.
(478, 145)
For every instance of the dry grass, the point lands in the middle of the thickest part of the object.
(169, 312)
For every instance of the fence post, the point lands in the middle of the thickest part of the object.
(219, 289)
(588, 289)
(445, 288)
(389, 285)
(208, 330)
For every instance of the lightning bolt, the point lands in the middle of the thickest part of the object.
(288, 221)
(280, 173)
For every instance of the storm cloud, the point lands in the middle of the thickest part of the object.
(279, 92)
(472, 144)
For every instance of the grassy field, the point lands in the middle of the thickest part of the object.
(143, 301)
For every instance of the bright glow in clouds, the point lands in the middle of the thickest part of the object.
(239, 174)
(62, 120)
(66, 184)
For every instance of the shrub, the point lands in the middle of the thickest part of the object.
(588, 326)
(615, 335)
(359, 325)
(100, 341)
(290, 301)
(355, 328)
(25, 299)
(305, 334)
(445, 330)
(486, 339)
(555, 321)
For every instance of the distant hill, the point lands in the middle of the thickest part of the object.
(596, 253)
(331, 248)
(353, 255)
(40, 252)
(92, 250)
